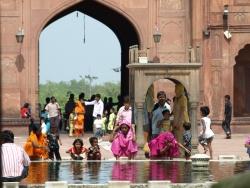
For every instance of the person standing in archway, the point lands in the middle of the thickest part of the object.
(180, 112)
(227, 117)
(157, 112)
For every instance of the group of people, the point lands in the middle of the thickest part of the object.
(168, 131)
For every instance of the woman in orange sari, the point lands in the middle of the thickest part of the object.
(79, 120)
(36, 145)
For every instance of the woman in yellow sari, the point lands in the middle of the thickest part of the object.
(79, 119)
(36, 145)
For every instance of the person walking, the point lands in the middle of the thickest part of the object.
(227, 117)
(53, 109)
(206, 133)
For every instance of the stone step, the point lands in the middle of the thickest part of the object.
(10, 184)
(56, 184)
(227, 157)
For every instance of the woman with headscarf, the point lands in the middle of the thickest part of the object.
(180, 112)
(79, 118)
(36, 145)
(124, 144)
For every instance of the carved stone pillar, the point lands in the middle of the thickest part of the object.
(139, 124)
(193, 118)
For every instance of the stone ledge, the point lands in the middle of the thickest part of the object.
(150, 184)
(228, 157)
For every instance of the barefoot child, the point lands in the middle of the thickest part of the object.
(72, 118)
(164, 124)
(111, 122)
(187, 136)
(77, 152)
(53, 144)
(98, 127)
(93, 152)
(206, 134)
(124, 144)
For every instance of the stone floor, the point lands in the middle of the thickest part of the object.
(221, 146)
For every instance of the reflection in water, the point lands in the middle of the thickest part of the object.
(53, 171)
(164, 171)
(77, 169)
(124, 170)
(38, 173)
(84, 172)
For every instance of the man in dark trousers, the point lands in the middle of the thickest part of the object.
(227, 117)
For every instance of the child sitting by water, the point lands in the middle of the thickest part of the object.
(164, 146)
(247, 145)
(77, 152)
(164, 124)
(124, 144)
(93, 152)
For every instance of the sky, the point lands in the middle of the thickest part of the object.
(64, 56)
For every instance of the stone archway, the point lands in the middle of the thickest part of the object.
(167, 85)
(127, 32)
(146, 74)
(242, 83)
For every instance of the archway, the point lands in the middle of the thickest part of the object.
(123, 28)
(242, 83)
(168, 85)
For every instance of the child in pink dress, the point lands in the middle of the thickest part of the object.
(124, 141)
(164, 146)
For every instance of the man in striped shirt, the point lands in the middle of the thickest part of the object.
(15, 161)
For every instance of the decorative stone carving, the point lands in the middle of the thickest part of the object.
(172, 58)
(8, 5)
(173, 38)
(135, 4)
(241, 2)
(216, 47)
(8, 72)
(240, 17)
(171, 4)
(36, 5)
(216, 83)
(8, 31)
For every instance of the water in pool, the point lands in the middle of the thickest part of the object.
(135, 171)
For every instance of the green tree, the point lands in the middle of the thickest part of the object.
(62, 90)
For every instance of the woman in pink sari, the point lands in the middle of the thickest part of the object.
(124, 144)
(164, 146)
